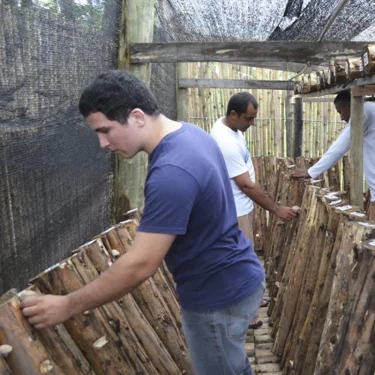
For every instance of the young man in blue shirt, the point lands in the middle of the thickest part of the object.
(189, 219)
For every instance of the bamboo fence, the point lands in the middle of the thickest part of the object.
(322, 124)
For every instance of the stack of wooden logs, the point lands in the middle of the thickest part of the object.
(320, 270)
(270, 171)
(138, 334)
(339, 72)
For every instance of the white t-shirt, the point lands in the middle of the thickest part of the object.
(342, 145)
(238, 161)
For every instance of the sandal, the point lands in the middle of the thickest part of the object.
(255, 324)
(265, 302)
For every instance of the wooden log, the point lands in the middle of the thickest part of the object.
(93, 338)
(353, 68)
(314, 81)
(284, 245)
(101, 260)
(309, 280)
(63, 349)
(294, 271)
(4, 369)
(350, 303)
(140, 342)
(122, 239)
(135, 214)
(356, 150)
(313, 324)
(335, 231)
(28, 356)
(156, 310)
(8, 295)
(334, 177)
(338, 72)
(368, 59)
(357, 353)
(324, 77)
(249, 52)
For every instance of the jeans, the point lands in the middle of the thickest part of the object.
(216, 339)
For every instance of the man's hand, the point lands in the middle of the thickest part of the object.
(300, 174)
(286, 213)
(46, 311)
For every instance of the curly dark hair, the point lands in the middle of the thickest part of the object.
(115, 94)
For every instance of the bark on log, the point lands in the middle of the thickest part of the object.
(351, 308)
(368, 59)
(354, 68)
(151, 302)
(313, 253)
(94, 339)
(313, 325)
(28, 356)
(294, 271)
(145, 334)
(4, 369)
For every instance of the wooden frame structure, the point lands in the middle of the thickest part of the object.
(298, 56)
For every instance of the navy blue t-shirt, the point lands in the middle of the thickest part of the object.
(188, 193)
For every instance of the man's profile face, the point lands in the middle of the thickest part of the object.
(245, 120)
(118, 138)
(344, 111)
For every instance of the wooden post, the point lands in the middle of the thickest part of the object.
(289, 124)
(298, 127)
(182, 96)
(137, 26)
(356, 150)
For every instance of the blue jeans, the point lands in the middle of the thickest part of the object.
(216, 339)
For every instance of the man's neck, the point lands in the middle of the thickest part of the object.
(159, 127)
(226, 122)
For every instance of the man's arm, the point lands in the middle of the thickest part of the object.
(257, 194)
(129, 271)
(337, 150)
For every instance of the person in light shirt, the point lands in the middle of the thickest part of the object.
(228, 132)
(342, 144)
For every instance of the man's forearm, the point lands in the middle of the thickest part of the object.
(257, 194)
(124, 275)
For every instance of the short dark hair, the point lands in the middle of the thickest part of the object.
(239, 103)
(343, 98)
(115, 94)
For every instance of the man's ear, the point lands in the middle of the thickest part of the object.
(139, 116)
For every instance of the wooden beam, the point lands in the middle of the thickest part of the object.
(234, 84)
(298, 127)
(274, 51)
(317, 100)
(283, 66)
(356, 151)
(366, 81)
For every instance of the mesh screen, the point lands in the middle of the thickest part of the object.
(55, 182)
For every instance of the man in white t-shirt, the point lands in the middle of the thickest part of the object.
(227, 131)
(342, 145)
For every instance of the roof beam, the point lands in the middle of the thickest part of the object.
(286, 66)
(234, 84)
(249, 52)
